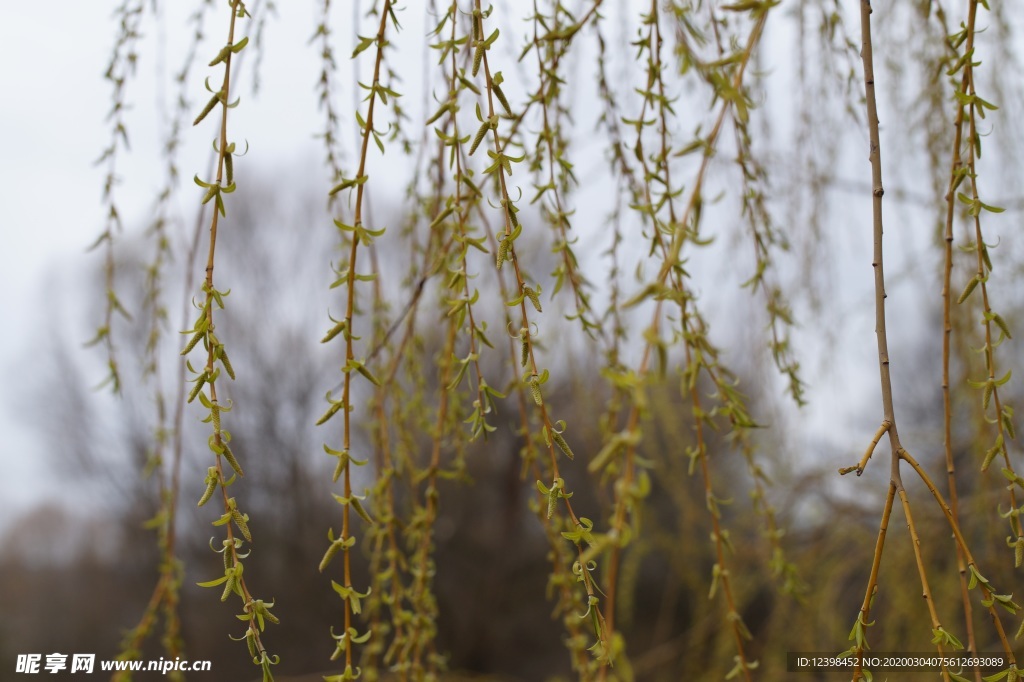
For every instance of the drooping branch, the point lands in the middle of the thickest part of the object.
(877, 190)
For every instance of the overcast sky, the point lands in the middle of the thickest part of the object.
(49, 135)
(52, 129)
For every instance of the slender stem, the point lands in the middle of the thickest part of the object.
(982, 272)
(716, 528)
(962, 543)
(549, 89)
(926, 592)
(889, 416)
(875, 156)
(876, 561)
(431, 504)
(868, 452)
(520, 280)
(220, 444)
(349, 314)
(947, 328)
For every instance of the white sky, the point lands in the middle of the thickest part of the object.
(48, 201)
(52, 129)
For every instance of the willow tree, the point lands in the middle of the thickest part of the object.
(514, 253)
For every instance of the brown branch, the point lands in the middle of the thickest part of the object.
(222, 153)
(859, 468)
(962, 543)
(875, 156)
(947, 327)
(349, 314)
(738, 630)
(872, 588)
(982, 274)
(926, 592)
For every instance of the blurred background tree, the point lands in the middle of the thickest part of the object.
(630, 222)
